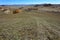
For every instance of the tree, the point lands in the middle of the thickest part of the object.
(47, 5)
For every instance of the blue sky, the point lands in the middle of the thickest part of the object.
(28, 1)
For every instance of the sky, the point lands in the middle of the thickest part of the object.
(9, 2)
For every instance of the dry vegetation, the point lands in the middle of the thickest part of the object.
(30, 25)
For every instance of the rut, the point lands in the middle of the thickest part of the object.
(45, 30)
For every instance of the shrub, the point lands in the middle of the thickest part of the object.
(17, 11)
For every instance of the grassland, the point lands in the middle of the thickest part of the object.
(30, 25)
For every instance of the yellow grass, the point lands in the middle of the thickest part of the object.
(32, 25)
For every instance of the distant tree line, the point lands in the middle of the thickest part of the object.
(47, 5)
(43, 5)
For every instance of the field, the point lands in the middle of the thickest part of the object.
(43, 24)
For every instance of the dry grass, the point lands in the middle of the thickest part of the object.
(32, 25)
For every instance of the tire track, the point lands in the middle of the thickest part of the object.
(41, 30)
(53, 33)
(45, 30)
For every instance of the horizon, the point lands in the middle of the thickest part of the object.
(27, 2)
